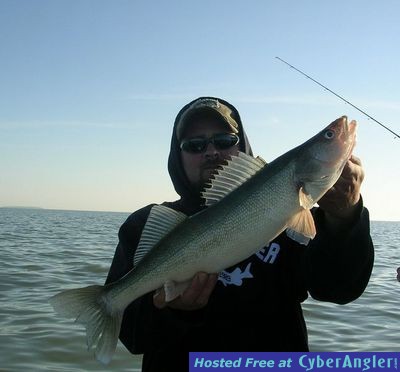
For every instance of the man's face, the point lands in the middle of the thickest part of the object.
(200, 166)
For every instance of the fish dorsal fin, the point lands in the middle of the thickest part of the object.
(232, 175)
(160, 222)
(301, 226)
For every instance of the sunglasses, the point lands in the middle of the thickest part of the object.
(221, 141)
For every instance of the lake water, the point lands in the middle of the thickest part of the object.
(44, 251)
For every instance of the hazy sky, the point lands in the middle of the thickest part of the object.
(89, 90)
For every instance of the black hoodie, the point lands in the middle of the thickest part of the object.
(255, 305)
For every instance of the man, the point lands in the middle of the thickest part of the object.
(255, 305)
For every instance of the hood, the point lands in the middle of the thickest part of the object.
(175, 168)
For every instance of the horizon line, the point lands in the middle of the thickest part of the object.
(109, 211)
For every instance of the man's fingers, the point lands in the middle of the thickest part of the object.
(189, 296)
(354, 159)
(353, 168)
(159, 298)
(208, 287)
(194, 297)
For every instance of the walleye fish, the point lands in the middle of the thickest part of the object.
(249, 204)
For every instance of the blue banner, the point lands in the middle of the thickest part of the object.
(293, 362)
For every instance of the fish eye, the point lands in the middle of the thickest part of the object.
(329, 134)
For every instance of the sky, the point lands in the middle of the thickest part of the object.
(89, 90)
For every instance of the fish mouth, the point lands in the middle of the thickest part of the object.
(338, 149)
(348, 136)
(346, 141)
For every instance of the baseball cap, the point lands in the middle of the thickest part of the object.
(206, 105)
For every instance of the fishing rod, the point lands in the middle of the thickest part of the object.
(337, 95)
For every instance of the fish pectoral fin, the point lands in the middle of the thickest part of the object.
(174, 289)
(305, 200)
(301, 227)
(161, 221)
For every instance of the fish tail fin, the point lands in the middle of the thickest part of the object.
(90, 307)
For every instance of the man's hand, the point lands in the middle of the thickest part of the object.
(194, 297)
(340, 202)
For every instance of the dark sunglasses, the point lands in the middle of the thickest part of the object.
(221, 141)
